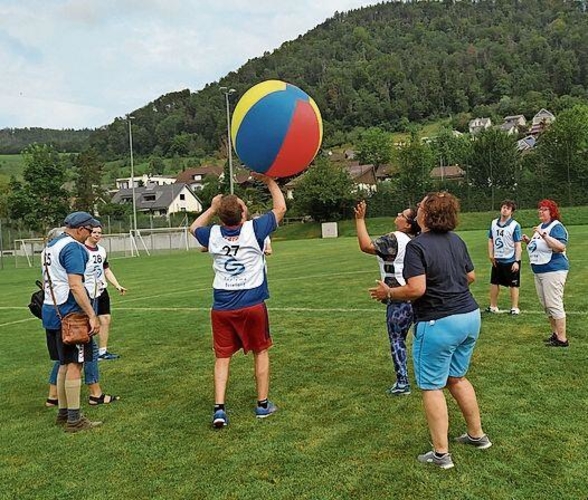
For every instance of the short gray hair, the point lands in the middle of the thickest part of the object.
(54, 233)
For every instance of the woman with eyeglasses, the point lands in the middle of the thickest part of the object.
(438, 271)
(390, 249)
(550, 265)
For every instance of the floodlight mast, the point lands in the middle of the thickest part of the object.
(227, 92)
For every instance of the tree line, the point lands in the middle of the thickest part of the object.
(494, 169)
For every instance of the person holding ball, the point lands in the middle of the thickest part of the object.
(438, 271)
(239, 315)
(390, 249)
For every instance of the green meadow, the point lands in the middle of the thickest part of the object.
(337, 435)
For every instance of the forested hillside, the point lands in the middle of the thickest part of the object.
(14, 140)
(389, 65)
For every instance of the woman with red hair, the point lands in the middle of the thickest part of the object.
(547, 253)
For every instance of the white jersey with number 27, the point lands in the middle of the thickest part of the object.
(238, 261)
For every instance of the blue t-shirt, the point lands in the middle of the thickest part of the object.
(444, 259)
(73, 257)
(558, 261)
(228, 300)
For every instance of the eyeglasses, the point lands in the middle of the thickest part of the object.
(408, 219)
(89, 229)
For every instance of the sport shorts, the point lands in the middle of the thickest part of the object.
(64, 353)
(102, 306)
(443, 348)
(503, 275)
(246, 329)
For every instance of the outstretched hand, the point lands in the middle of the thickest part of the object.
(360, 210)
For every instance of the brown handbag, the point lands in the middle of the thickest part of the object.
(75, 326)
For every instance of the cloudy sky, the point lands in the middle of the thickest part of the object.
(81, 63)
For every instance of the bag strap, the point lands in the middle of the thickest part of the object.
(50, 284)
(51, 287)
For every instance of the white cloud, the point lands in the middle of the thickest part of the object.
(81, 63)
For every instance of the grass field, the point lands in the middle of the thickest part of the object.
(337, 434)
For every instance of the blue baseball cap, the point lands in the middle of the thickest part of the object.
(81, 219)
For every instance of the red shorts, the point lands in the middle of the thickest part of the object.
(246, 329)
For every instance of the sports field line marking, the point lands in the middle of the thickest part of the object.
(209, 288)
(17, 321)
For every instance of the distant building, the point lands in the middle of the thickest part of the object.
(541, 121)
(161, 200)
(526, 143)
(447, 173)
(477, 125)
(194, 177)
(144, 180)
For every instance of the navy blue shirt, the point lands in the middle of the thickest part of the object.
(444, 259)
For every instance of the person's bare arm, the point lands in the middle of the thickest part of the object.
(365, 242)
(278, 200)
(205, 217)
(415, 287)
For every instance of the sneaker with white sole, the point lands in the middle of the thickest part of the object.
(515, 311)
(481, 443)
(399, 390)
(261, 412)
(220, 419)
(493, 310)
(444, 462)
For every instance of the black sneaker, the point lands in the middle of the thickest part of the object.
(557, 343)
(550, 338)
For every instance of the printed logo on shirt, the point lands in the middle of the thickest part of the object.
(234, 267)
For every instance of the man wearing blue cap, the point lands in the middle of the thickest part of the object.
(64, 263)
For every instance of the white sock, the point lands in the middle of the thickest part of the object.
(102, 351)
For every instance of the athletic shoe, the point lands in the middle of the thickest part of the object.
(493, 310)
(83, 424)
(553, 336)
(399, 390)
(480, 443)
(557, 343)
(444, 462)
(515, 311)
(220, 419)
(107, 356)
(261, 412)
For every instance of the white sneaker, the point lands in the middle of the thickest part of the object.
(515, 311)
(493, 310)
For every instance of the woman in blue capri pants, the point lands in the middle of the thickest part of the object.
(438, 271)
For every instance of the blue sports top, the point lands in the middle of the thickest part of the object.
(73, 257)
(228, 300)
(558, 261)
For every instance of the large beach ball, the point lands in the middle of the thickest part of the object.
(276, 129)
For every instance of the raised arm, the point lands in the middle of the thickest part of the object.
(279, 202)
(204, 218)
(365, 242)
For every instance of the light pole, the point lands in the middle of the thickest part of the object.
(227, 91)
(129, 118)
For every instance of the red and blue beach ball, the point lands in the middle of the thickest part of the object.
(276, 129)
